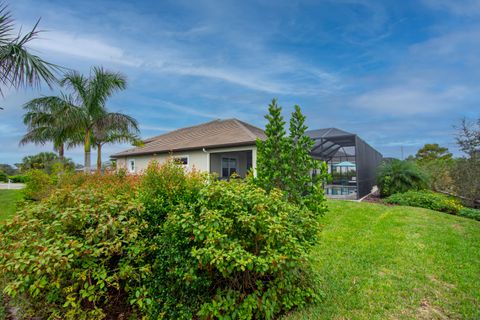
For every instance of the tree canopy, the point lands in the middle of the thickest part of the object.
(284, 161)
(431, 152)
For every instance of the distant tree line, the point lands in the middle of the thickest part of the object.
(434, 167)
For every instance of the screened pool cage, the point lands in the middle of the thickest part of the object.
(351, 162)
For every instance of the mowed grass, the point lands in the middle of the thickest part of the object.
(379, 262)
(8, 202)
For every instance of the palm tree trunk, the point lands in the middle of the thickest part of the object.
(61, 152)
(99, 158)
(87, 152)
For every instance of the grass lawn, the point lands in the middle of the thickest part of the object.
(379, 262)
(8, 200)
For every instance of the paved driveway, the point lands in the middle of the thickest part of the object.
(12, 186)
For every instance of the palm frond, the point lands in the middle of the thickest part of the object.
(20, 68)
(102, 85)
(115, 127)
(53, 119)
(78, 83)
(6, 24)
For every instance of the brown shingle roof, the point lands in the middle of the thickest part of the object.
(213, 134)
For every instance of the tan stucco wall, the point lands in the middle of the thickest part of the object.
(197, 159)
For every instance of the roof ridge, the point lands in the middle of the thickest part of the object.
(244, 127)
(179, 129)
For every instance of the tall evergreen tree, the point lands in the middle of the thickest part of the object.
(301, 162)
(272, 153)
(284, 162)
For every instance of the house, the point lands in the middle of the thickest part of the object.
(228, 146)
(220, 146)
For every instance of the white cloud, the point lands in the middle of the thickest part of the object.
(411, 100)
(156, 128)
(456, 46)
(181, 109)
(84, 47)
(457, 7)
(256, 68)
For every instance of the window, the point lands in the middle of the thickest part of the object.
(131, 165)
(229, 167)
(183, 160)
(249, 160)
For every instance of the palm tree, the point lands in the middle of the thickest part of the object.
(82, 117)
(50, 119)
(18, 66)
(113, 128)
(90, 96)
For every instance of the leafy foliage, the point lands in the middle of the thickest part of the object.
(470, 213)
(426, 199)
(39, 185)
(18, 178)
(284, 162)
(74, 255)
(272, 154)
(168, 244)
(49, 119)
(82, 117)
(400, 176)
(45, 161)
(431, 152)
(440, 173)
(226, 249)
(90, 95)
(3, 176)
(437, 163)
(466, 178)
(18, 66)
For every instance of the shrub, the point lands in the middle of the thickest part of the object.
(426, 199)
(19, 178)
(3, 176)
(440, 174)
(233, 252)
(168, 244)
(76, 254)
(38, 185)
(400, 176)
(470, 213)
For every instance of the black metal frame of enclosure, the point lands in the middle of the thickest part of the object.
(328, 142)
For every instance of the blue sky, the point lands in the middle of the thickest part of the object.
(398, 73)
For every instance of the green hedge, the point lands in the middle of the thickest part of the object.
(3, 176)
(426, 199)
(19, 178)
(470, 213)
